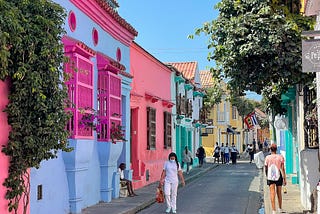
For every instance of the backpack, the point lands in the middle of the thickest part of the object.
(273, 173)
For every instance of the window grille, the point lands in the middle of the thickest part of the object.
(234, 113)
(167, 129)
(151, 128)
(310, 119)
(79, 70)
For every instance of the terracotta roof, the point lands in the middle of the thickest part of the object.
(206, 79)
(260, 113)
(104, 5)
(188, 69)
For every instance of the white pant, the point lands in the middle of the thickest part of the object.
(170, 191)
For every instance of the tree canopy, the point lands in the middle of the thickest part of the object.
(257, 46)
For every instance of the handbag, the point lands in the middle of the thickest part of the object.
(159, 195)
(191, 161)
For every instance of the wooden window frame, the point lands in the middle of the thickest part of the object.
(151, 128)
(167, 125)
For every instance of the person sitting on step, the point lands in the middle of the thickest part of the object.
(124, 181)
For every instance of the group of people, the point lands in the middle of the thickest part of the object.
(172, 171)
(169, 179)
(225, 152)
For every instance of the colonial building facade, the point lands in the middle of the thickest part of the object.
(97, 44)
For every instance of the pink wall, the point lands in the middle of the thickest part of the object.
(4, 134)
(151, 77)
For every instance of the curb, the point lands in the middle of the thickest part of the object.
(153, 200)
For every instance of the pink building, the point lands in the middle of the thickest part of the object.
(4, 134)
(151, 117)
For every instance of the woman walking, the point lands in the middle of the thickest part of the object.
(276, 176)
(187, 157)
(169, 178)
(216, 153)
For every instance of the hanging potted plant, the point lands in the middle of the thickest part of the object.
(116, 133)
(90, 119)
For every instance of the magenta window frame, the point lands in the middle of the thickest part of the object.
(80, 87)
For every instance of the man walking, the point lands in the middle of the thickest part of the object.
(201, 154)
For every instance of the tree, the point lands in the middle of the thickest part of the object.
(257, 46)
(31, 57)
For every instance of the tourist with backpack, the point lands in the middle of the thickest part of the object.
(276, 176)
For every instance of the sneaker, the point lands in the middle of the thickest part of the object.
(280, 210)
(174, 211)
(168, 210)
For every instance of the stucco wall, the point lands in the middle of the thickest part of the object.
(4, 133)
(153, 78)
(309, 171)
(82, 180)
(52, 177)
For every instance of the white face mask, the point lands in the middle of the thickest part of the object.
(172, 161)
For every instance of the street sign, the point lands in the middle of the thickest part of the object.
(311, 55)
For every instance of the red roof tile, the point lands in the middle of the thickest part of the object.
(188, 69)
(104, 5)
(206, 79)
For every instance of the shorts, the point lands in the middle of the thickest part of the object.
(278, 182)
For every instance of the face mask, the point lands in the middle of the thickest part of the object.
(172, 161)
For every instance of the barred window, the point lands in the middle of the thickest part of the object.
(167, 129)
(151, 128)
(234, 113)
(311, 120)
(79, 69)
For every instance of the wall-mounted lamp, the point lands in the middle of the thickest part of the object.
(179, 118)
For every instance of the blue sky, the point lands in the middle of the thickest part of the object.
(164, 25)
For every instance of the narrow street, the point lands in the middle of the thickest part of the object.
(225, 189)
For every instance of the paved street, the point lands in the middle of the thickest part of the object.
(224, 189)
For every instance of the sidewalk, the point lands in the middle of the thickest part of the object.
(146, 196)
(291, 202)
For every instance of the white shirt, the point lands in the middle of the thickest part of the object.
(222, 149)
(226, 149)
(233, 149)
(171, 171)
(121, 173)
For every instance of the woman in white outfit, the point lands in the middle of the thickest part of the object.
(169, 177)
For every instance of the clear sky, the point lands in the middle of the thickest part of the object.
(164, 25)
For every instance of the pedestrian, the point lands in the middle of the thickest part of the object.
(216, 153)
(187, 157)
(254, 143)
(124, 181)
(260, 145)
(266, 145)
(276, 176)
(201, 154)
(169, 178)
(227, 154)
(250, 150)
(234, 153)
(222, 154)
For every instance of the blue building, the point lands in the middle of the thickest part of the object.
(97, 44)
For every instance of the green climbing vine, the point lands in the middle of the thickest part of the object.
(31, 59)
